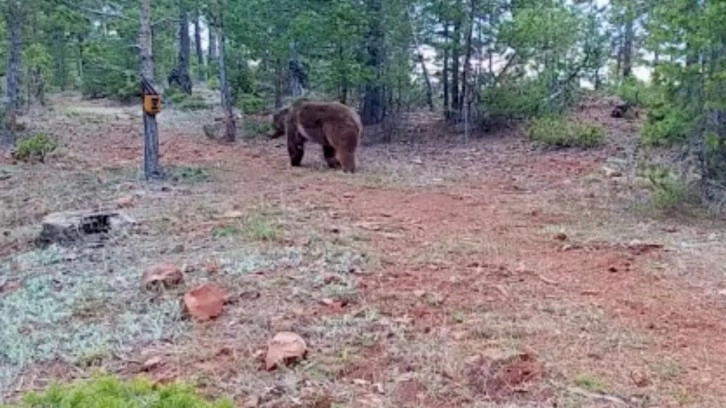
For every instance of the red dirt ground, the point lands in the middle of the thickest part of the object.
(582, 290)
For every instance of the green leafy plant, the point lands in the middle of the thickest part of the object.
(666, 125)
(35, 147)
(108, 391)
(559, 132)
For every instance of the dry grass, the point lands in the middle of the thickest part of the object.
(394, 284)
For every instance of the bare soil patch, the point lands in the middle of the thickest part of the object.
(482, 274)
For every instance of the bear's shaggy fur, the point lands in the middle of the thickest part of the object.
(333, 125)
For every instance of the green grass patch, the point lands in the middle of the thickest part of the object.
(35, 147)
(109, 392)
(188, 174)
(559, 132)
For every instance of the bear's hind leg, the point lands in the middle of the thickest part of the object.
(329, 155)
(296, 151)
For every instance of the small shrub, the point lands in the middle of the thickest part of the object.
(261, 228)
(670, 193)
(225, 231)
(559, 132)
(188, 174)
(249, 103)
(192, 103)
(213, 83)
(257, 128)
(638, 93)
(34, 147)
(107, 391)
(666, 125)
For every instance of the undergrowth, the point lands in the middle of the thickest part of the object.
(559, 132)
(108, 391)
(35, 147)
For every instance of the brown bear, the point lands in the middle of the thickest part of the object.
(333, 125)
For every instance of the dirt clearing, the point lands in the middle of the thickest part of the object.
(481, 275)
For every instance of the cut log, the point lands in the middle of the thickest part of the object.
(69, 226)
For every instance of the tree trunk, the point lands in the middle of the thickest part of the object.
(424, 70)
(627, 53)
(230, 128)
(298, 76)
(212, 50)
(467, 58)
(14, 24)
(152, 168)
(80, 57)
(455, 69)
(374, 102)
(343, 81)
(179, 75)
(279, 80)
(445, 73)
(198, 46)
(58, 37)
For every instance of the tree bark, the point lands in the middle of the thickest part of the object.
(455, 69)
(467, 58)
(297, 74)
(421, 60)
(14, 23)
(212, 50)
(179, 75)
(198, 47)
(374, 102)
(627, 53)
(152, 168)
(230, 128)
(445, 73)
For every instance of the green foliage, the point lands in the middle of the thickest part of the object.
(638, 93)
(667, 124)
(110, 72)
(670, 192)
(559, 132)
(225, 231)
(37, 58)
(108, 391)
(250, 104)
(192, 103)
(515, 100)
(213, 83)
(35, 147)
(188, 174)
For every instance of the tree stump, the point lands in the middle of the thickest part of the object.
(68, 227)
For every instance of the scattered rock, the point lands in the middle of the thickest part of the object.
(9, 287)
(205, 301)
(560, 236)
(151, 363)
(285, 348)
(233, 214)
(126, 201)
(500, 374)
(670, 229)
(348, 195)
(610, 172)
(253, 401)
(69, 226)
(163, 275)
(640, 379)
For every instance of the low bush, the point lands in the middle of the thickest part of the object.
(35, 147)
(559, 132)
(107, 391)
